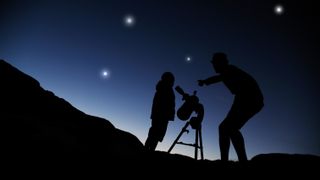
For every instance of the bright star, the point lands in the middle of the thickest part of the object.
(278, 9)
(105, 73)
(129, 20)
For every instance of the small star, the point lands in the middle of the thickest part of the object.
(129, 20)
(278, 9)
(188, 58)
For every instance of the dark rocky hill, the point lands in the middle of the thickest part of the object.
(39, 125)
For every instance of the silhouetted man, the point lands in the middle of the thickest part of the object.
(248, 100)
(163, 110)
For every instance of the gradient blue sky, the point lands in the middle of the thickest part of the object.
(66, 44)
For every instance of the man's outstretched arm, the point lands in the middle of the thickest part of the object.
(210, 80)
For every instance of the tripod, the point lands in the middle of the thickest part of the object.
(198, 140)
(190, 105)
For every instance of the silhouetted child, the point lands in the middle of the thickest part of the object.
(248, 100)
(163, 110)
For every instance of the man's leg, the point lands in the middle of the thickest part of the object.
(224, 141)
(240, 119)
(239, 146)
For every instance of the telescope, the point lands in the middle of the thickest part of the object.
(191, 104)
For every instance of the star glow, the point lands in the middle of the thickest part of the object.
(105, 74)
(129, 20)
(278, 9)
(188, 59)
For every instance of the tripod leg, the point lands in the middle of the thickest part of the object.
(184, 129)
(196, 146)
(201, 147)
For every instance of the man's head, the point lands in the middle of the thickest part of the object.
(219, 61)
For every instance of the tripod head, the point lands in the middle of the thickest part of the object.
(186, 96)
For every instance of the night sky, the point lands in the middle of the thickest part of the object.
(105, 58)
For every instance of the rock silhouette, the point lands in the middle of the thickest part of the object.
(42, 131)
(37, 125)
